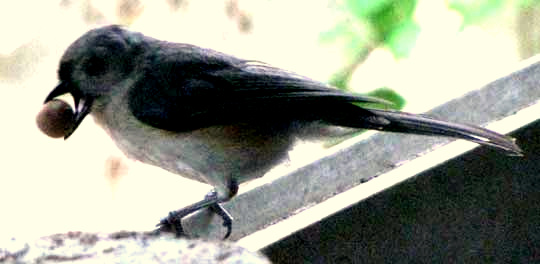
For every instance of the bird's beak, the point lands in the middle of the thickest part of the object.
(82, 104)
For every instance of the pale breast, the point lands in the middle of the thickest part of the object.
(209, 155)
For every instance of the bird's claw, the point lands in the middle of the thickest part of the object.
(228, 224)
(227, 218)
(173, 222)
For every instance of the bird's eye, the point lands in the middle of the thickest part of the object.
(65, 70)
(95, 66)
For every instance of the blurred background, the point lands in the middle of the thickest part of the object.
(416, 53)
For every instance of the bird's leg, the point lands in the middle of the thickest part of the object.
(173, 222)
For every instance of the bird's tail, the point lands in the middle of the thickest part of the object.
(394, 121)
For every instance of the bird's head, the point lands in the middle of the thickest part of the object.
(94, 65)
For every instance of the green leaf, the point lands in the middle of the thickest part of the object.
(391, 17)
(398, 102)
(527, 3)
(474, 11)
(336, 32)
(363, 8)
(402, 40)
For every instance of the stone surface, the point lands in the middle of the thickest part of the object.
(123, 247)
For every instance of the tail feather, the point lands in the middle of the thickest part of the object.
(394, 121)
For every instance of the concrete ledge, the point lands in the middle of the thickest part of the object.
(122, 247)
(260, 211)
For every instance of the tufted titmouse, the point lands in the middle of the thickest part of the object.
(213, 117)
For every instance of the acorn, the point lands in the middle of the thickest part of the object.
(55, 119)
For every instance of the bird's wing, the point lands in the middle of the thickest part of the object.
(228, 91)
(208, 91)
(259, 83)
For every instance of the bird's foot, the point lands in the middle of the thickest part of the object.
(173, 222)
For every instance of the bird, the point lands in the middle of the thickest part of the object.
(216, 118)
